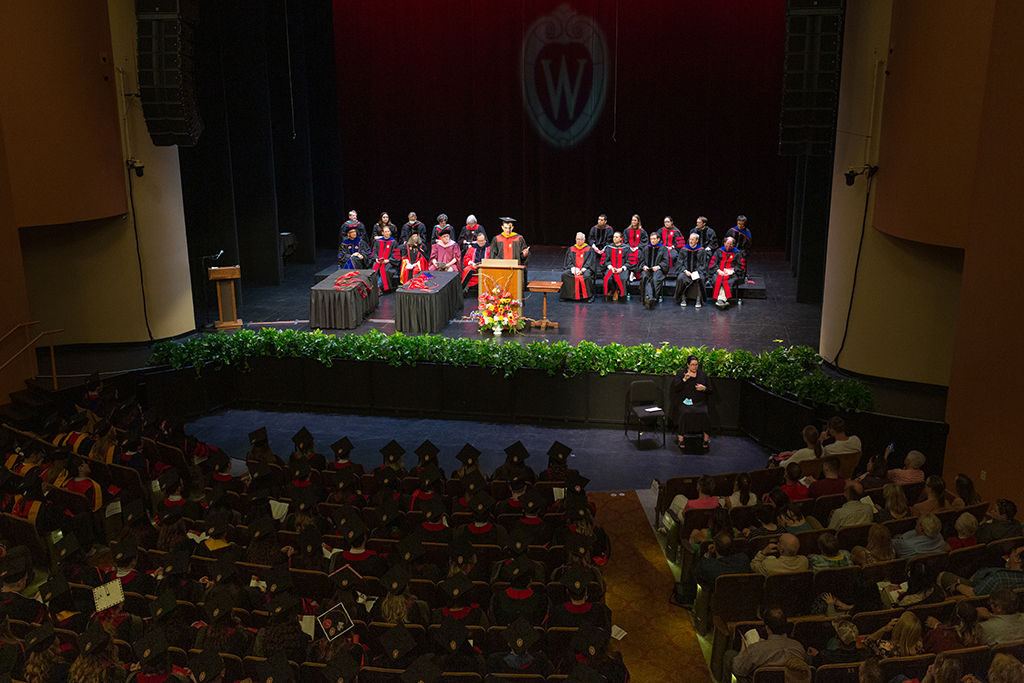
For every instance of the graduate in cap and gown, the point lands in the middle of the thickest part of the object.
(469, 456)
(259, 451)
(515, 464)
(342, 449)
(305, 449)
(520, 636)
(519, 599)
(510, 244)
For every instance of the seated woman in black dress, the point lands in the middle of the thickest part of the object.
(690, 390)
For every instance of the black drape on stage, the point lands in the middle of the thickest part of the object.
(434, 114)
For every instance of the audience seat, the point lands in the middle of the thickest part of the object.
(252, 666)
(973, 660)
(810, 468)
(737, 597)
(494, 640)
(758, 543)
(848, 464)
(763, 481)
(125, 651)
(824, 505)
(773, 674)
(837, 673)
(869, 622)
(851, 536)
(791, 591)
(22, 532)
(373, 674)
(813, 631)
(911, 667)
(514, 678)
(942, 611)
(831, 580)
(809, 540)
(978, 510)
(935, 563)
(1000, 548)
(893, 570)
(1014, 649)
(558, 640)
(743, 517)
(897, 527)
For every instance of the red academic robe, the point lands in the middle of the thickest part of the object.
(382, 249)
(615, 257)
(471, 262)
(416, 258)
(725, 259)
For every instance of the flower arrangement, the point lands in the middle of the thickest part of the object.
(498, 311)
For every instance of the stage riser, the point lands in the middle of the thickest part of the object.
(527, 397)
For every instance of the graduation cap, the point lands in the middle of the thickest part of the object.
(224, 570)
(433, 509)
(457, 586)
(163, 605)
(258, 437)
(152, 645)
(279, 579)
(460, 550)
(207, 665)
(481, 503)
(519, 539)
(54, 588)
(469, 455)
(397, 642)
(276, 670)
(579, 544)
(409, 549)
(169, 479)
(342, 447)
(215, 496)
(423, 670)
(576, 508)
(429, 474)
(533, 502)
(520, 566)
(520, 635)
(473, 482)
(517, 453)
(283, 605)
(78, 420)
(171, 516)
(575, 483)
(310, 540)
(345, 578)
(395, 580)
(392, 452)
(427, 452)
(217, 523)
(260, 471)
(219, 607)
(575, 580)
(93, 381)
(94, 639)
(134, 511)
(40, 638)
(506, 219)
(67, 546)
(353, 529)
(219, 459)
(559, 451)
(302, 439)
(387, 478)
(304, 498)
(31, 481)
(341, 669)
(335, 621)
(176, 563)
(588, 639)
(261, 527)
(388, 512)
(347, 479)
(133, 438)
(101, 428)
(300, 468)
(518, 482)
(13, 565)
(451, 634)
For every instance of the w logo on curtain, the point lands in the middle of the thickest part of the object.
(565, 76)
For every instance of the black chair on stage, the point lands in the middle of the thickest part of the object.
(642, 401)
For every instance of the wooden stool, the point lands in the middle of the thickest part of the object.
(545, 287)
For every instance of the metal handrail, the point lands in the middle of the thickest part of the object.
(11, 331)
(31, 344)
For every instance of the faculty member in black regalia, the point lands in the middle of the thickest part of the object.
(353, 252)
(690, 390)
(651, 268)
(467, 236)
(413, 227)
(692, 262)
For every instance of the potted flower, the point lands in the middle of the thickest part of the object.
(498, 311)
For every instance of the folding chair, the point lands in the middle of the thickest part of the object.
(643, 399)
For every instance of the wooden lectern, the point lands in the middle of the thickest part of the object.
(225, 279)
(505, 274)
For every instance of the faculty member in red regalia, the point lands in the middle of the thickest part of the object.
(410, 259)
(578, 271)
(476, 253)
(381, 258)
(728, 267)
(616, 268)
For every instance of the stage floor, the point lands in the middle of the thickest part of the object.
(756, 325)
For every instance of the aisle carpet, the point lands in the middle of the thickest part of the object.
(660, 643)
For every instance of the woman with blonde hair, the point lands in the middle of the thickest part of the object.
(1005, 669)
(904, 641)
(895, 504)
(399, 606)
(879, 547)
(966, 526)
(97, 660)
(45, 664)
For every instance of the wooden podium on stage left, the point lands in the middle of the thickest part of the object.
(506, 274)
(225, 279)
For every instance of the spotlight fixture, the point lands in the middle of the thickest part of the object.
(851, 175)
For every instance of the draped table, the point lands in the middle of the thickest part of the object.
(428, 310)
(345, 308)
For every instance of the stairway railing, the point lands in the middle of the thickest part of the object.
(31, 345)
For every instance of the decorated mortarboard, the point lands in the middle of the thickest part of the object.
(579, 544)
(481, 503)
(40, 638)
(457, 585)
(300, 469)
(429, 474)
(164, 604)
(152, 645)
(395, 580)
(392, 452)
(559, 451)
(575, 483)
(169, 479)
(469, 455)
(310, 540)
(520, 635)
(304, 498)
(533, 502)
(584, 674)
(217, 523)
(302, 439)
(423, 670)
(335, 621)
(345, 578)
(134, 511)
(261, 527)
(451, 634)
(517, 453)
(507, 219)
(207, 665)
(219, 607)
(54, 588)
(521, 565)
(460, 550)
(94, 639)
(275, 670)
(259, 436)
(575, 580)
(408, 549)
(176, 563)
(427, 452)
(433, 509)
(283, 604)
(342, 447)
(519, 539)
(388, 512)
(397, 642)
(341, 669)
(279, 579)
(223, 570)
(589, 639)
(67, 546)
(473, 482)
(353, 529)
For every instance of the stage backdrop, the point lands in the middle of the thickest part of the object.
(554, 112)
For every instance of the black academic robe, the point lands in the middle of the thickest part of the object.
(467, 235)
(742, 237)
(405, 255)
(353, 254)
(435, 234)
(574, 616)
(471, 264)
(410, 229)
(524, 665)
(378, 231)
(510, 247)
(727, 259)
(651, 268)
(691, 417)
(510, 604)
(636, 237)
(578, 287)
(707, 238)
(672, 239)
(601, 237)
(616, 269)
(691, 260)
(360, 230)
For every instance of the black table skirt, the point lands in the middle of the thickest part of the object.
(342, 309)
(418, 311)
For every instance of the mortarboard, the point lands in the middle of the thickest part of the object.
(429, 474)
(163, 605)
(392, 452)
(575, 580)
(588, 639)
(408, 549)
(176, 563)
(207, 665)
(468, 455)
(151, 646)
(54, 588)
(451, 634)
(457, 586)
(302, 439)
(395, 580)
(304, 498)
(433, 509)
(341, 669)
(519, 539)
(520, 635)
(300, 469)
(219, 607)
(473, 482)
(169, 479)
(94, 639)
(279, 579)
(310, 540)
(283, 605)
(258, 437)
(261, 527)
(217, 523)
(517, 453)
(427, 452)
(533, 502)
(342, 447)
(460, 550)
(67, 546)
(521, 565)
(559, 451)
(276, 670)
(353, 529)
(397, 642)
(223, 570)
(40, 638)
(506, 219)
(134, 511)
(388, 512)
(345, 578)
(481, 503)
(423, 670)
(584, 674)
(579, 544)
(575, 483)
(219, 459)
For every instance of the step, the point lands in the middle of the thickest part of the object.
(33, 400)
(18, 416)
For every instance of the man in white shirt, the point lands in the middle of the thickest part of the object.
(836, 429)
(1002, 623)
